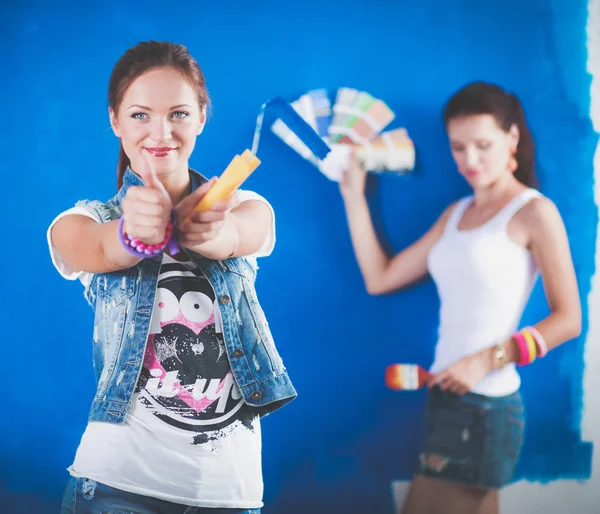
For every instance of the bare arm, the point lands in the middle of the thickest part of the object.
(549, 245)
(89, 246)
(382, 274)
(93, 247)
(550, 248)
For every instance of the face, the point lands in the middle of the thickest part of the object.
(159, 120)
(481, 148)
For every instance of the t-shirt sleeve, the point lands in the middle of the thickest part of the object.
(269, 244)
(63, 267)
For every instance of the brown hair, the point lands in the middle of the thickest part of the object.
(142, 58)
(485, 98)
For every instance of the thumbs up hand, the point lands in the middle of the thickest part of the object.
(147, 208)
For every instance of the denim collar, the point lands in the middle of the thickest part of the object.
(131, 179)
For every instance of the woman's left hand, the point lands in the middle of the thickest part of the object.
(463, 375)
(204, 226)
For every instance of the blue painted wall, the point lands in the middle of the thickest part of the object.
(338, 446)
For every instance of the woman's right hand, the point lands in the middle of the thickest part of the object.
(352, 184)
(147, 209)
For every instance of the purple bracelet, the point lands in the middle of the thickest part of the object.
(140, 249)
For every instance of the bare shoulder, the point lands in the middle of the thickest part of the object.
(453, 206)
(540, 213)
(438, 228)
(442, 220)
(542, 222)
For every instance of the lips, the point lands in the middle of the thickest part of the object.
(160, 152)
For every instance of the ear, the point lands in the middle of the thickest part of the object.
(113, 122)
(202, 121)
(514, 134)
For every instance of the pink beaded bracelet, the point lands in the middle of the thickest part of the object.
(140, 249)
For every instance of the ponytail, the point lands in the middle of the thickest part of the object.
(525, 156)
(124, 163)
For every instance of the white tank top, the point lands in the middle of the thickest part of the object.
(484, 280)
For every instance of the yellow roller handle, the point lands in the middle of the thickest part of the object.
(239, 169)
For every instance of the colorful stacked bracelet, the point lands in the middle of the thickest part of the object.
(531, 345)
(526, 356)
(140, 249)
(542, 349)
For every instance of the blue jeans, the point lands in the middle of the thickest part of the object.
(85, 496)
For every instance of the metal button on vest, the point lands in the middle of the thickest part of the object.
(238, 353)
(257, 395)
(224, 299)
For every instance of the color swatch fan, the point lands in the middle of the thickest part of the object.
(354, 123)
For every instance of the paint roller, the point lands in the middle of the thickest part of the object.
(242, 166)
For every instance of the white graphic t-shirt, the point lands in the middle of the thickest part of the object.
(189, 438)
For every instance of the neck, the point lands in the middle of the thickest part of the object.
(498, 191)
(177, 184)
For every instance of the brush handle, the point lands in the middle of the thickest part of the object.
(239, 169)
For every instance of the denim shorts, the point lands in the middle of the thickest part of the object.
(85, 496)
(472, 439)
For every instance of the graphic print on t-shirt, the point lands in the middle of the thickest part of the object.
(186, 380)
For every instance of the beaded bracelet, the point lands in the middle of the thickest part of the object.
(140, 249)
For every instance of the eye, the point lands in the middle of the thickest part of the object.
(457, 148)
(196, 307)
(180, 114)
(166, 305)
(166, 308)
(484, 145)
(139, 116)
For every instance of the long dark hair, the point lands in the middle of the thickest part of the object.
(142, 58)
(485, 98)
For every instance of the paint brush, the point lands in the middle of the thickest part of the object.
(406, 377)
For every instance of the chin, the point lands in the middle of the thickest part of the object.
(479, 182)
(169, 167)
(473, 181)
(169, 171)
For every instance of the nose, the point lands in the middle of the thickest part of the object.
(472, 156)
(161, 129)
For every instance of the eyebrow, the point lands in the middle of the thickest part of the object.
(148, 108)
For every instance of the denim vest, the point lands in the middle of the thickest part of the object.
(123, 303)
